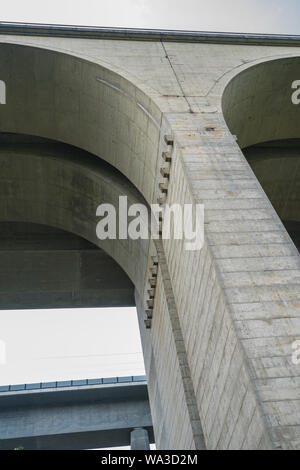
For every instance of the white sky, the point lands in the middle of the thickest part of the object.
(65, 344)
(265, 16)
(45, 345)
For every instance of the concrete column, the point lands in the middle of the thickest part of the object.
(139, 439)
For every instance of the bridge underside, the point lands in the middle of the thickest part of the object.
(73, 441)
(43, 267)
(74, 418)
(276, 166)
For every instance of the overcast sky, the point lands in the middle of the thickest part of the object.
(42, 345)
(264, 16)
(47, 345)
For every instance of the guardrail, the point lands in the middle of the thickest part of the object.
(72, 383)
(95, 32)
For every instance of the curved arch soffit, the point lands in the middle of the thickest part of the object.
(258, 108)
(257, 102)
(61, 186)
(26, 41)
(70, 99)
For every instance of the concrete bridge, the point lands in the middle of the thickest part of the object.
(164, 117)
(77, 414)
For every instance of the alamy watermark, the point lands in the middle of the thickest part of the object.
(2, 92)
(178, 222)
(296, 344)
(296, 93)
(2, 352)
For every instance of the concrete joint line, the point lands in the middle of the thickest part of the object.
(185, 372)
(124, 93)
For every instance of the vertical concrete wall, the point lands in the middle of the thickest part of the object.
(230, 413)
(172, 398)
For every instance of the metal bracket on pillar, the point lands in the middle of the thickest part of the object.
(151, 293)
(154, 260)
(149, 314)
(169, 140)
(167, 157)
(154, 271)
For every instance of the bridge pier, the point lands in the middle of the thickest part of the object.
(139, 439)
(85, 414)
(221, 322)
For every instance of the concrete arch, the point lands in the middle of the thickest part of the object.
(48, 183)
(252, 98)
(43, 267)
(258, 108)
(70, 100)
(62, 97)
(223, 319)
(221, 82)
(57, 185)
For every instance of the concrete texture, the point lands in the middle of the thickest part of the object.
(42, 267)
(276, 166)
(218, 353)
(139, 439)
(77, 417)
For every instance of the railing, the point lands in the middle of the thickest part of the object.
(72, 383)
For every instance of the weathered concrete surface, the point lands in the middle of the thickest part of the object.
(139, 439)
(276, 166)
(70, 185)
(218, 355)
(42, 267)
(74, 417)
